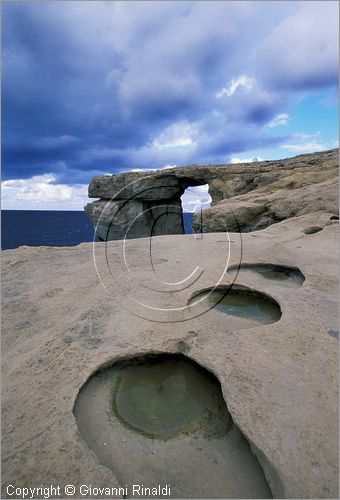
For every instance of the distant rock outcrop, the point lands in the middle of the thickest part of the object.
(245, 197)
(134, 205)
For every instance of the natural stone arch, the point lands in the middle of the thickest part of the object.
(245, 197)
(142, 207)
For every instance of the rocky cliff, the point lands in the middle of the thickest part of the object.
(245, 197)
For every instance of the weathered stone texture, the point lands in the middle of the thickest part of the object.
(245, 197)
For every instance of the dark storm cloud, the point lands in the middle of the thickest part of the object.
(91, 87)
(301, 53)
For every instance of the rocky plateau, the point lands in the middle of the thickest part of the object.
(245, 197)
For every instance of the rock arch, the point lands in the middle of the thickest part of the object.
(149, 205)
(255, 195)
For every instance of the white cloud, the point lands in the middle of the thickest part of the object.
(168, 166)
(196, 197)
(178, 135)
(302, 50)
(281, 119)
(246, 160)
(138, 170)
(242, 81)
(39, 193)
(301, 136)
(307, 147)
(165, 167)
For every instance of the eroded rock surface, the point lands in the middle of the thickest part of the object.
(245, 197)
(168, 407)
(279, 381)
(266, 205)
(119, 219)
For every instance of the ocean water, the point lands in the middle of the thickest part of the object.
(187, 219)
(44, 227)
(51, 228)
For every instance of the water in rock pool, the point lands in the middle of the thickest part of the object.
(164, 421)
(249, 305)
(272, 274)
(167, 398)
(285, 275)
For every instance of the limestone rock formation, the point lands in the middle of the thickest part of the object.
(279, 380)
(245, 197)
(313, 185)
(264, 206)
(137, 206)
(119, 219)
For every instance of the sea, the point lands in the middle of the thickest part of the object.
(51, 228)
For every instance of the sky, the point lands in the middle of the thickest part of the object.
(91, 88)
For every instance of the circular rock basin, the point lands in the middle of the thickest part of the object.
(162, 420)
(285, 275)
(241, 302)
(312, 229)
(164, 398)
